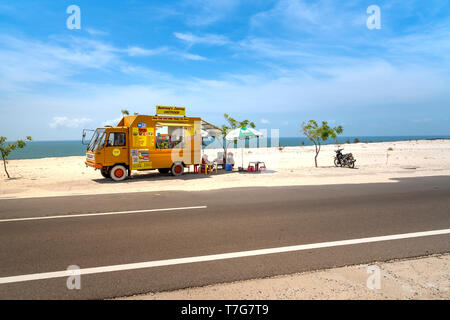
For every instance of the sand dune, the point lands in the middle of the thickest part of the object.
(289, 166)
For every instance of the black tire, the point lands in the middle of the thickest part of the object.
(164, 170)
(336, 162)
(351, 164)
(105, 172)
(177, 169)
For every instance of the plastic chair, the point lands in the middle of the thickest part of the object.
(261, 166)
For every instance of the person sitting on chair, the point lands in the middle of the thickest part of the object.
(220, 159)
(207, 162)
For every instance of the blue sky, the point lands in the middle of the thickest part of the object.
(276, 62)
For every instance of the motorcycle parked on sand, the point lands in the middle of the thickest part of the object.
(344, 160)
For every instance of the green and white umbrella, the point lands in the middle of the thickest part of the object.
(242, 134)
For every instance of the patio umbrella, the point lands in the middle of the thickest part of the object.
(243, 133)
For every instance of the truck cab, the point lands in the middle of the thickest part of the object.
(109, 147)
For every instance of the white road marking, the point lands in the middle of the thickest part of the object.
(100, 214)
(213, 257)
(72, 195)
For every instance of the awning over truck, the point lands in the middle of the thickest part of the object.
(211, 129)
(206, 126)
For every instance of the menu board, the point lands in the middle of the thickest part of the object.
(143, 139)
(140, 137)
(143, 136)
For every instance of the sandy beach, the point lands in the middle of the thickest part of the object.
(376, 162)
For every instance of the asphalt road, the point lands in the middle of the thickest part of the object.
(222, 221)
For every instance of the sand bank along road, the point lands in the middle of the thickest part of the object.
(135, 243)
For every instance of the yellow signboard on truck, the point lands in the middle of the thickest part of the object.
(174, 111)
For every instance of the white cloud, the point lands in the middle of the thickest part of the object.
(430, 42)
(26, 62)
(424, 120)
(210, 39)
(64, 122)
(269, 48)
(289, 9)
(136, 51)
(374, 86)
(204, 13)
(264, 121)
(190, 56)
(95, 32)
(112, 122)
(362, 88)
(311, 16)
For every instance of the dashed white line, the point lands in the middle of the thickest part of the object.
(232, 255)
(99, 214)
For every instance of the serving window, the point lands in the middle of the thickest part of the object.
(170, 135)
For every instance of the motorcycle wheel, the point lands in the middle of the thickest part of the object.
(336, 162)
(351, 164)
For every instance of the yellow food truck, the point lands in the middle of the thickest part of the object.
(164, 142)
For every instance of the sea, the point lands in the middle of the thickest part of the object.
(46, 149)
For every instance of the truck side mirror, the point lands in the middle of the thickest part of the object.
(83, 136)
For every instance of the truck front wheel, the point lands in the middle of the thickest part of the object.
(118, 173)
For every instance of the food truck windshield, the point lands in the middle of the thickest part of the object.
(97, 140)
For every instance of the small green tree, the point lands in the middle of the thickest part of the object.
(6, 148)
(319, 134)
(125, 112)
(233, 124)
